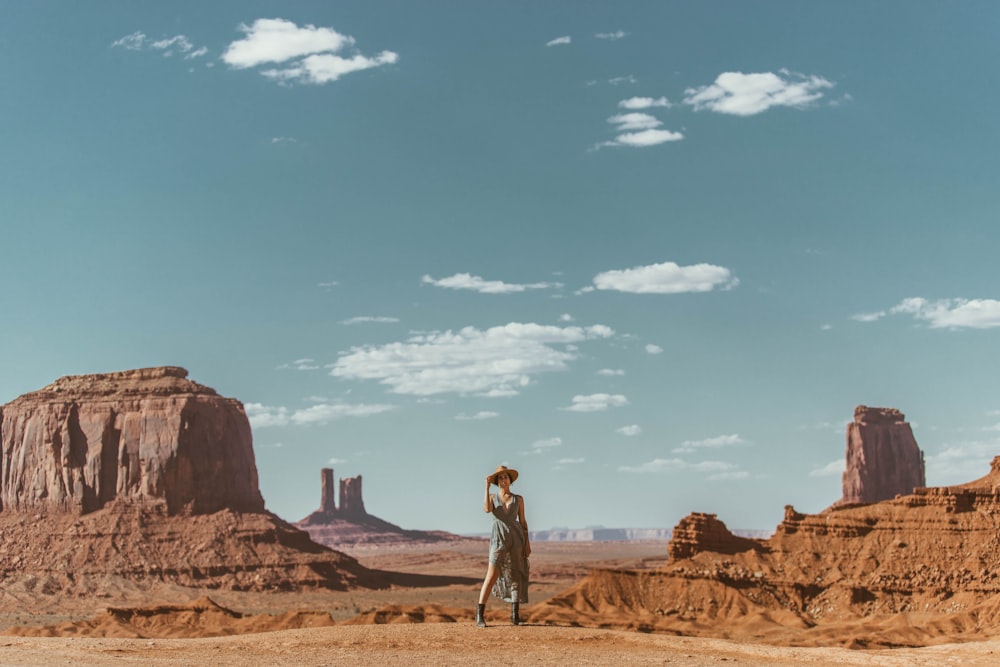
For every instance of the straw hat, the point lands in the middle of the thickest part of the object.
(510, 471)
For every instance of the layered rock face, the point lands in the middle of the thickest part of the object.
(148, 477)
(349, 524)
(883, 459)
(147, 435)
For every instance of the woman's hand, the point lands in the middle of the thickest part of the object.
(488, 482)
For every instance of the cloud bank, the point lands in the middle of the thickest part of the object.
(498, 361)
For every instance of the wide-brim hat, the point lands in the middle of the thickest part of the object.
(510, 472)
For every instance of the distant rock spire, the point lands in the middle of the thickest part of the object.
(883, 459)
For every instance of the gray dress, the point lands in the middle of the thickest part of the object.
(507, 552)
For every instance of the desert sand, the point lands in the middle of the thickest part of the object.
(425, 618)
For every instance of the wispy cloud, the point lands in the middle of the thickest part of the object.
(366, 319)
(743, 94)
(138, 41)
(676, 465)
(479, 416)
(634, 121)
(831, 469)
(689, 446)
(653, 349)
(565, 39)
(596, 402)
(330, 284)
(612, 36)
(565, 317)
(610, 372)
(666, 278)
(638, 103)
(630, 430)
(570, 461)
(547, 443)
(300, 365)
(305, 54)
(466, 281)
(494, 362)
(869, 317)
(263, 416)
(620, 80)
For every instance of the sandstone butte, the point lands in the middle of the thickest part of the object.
(920, 568)
(147, 476)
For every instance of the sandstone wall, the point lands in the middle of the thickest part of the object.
(146, 436)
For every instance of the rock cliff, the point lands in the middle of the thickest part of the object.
(146, 477)
(147, 435)
(883, 459)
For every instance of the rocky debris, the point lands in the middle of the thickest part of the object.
(883, 459)
(147, 477)
(350, 525)
(147, 435)
(842, 576)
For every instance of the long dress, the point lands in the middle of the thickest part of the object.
(507, 552)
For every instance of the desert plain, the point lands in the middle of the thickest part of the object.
(426, 618)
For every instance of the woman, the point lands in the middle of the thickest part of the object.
(507, 574)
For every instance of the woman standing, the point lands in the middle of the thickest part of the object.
(507, 574)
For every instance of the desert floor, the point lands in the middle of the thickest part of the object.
(448, 576)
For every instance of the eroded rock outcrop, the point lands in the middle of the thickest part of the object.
(883, 459)
(350, 525)
(147, 435)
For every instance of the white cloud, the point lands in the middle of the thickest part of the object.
(565, 39)
(832, 468)
(475, 283)
(565, 317)
(569, 461)
(636, 103)
(654, 349)
(674, 465)
(826, 327)
(611, 372)
(548, 443)
(612, 36)
(642, 139)
(179, 42)
(300, 365)
(743, 94)
(311, 52)
(961, 462)
(133, 42)
(363, 319)
(634, 121)
(479, 416)
(666, 278)
(719, 441)
(868, 317)
(262, 416)
(596, 402)
(284, 140)
(335, 461)
(952, 313)
(630, 430)
(328, 285)
(496, 362)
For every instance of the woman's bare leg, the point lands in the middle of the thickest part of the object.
(491, 578)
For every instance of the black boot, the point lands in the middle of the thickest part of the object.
(480, 610)
(515, 619)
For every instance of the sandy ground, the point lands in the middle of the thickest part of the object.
(435, 575)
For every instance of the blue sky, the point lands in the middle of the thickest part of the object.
(650, 254)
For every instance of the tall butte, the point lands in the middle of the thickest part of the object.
(149, 476)
(883, 459)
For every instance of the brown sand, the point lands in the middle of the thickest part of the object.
(426, 618)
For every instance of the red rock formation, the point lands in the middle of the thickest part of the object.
(883, 459)
(350, 524)
(146, 477)
(148, 435)
(909, 571)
